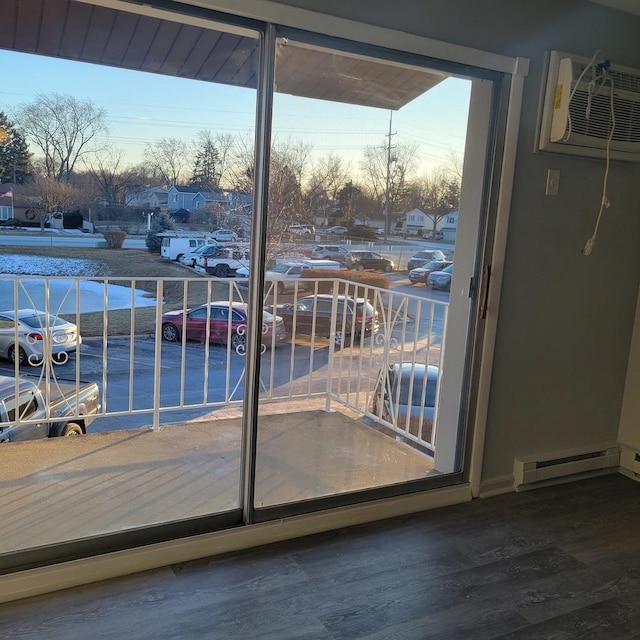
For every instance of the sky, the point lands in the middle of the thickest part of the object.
(143, 107)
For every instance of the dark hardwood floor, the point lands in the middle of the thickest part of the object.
(555, 563)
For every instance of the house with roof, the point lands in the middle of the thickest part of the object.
(147, 197)
(194, 198)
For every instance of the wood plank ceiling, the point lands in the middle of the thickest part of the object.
(107, 36)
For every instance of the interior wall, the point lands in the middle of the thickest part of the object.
(629, 433)
(566, 320)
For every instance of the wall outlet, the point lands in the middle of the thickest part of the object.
(553, 182)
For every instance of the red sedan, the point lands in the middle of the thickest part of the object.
(227, 324)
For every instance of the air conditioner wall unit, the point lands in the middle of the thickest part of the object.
(579, 122)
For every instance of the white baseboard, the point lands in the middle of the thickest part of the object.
(42, 580)
(630, 462)
(496, 486)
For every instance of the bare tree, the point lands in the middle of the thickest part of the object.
(105, 169)
(326, 180)
(169, 157)
(64, 128)
(225, 143)
(437, 194)
(376, 166)
(46, 196)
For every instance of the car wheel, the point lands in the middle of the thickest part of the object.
(72, 429)
(22, 356)
(387, 268)
(170, 332)
(222, 271)
(238, 341)
(360, 267)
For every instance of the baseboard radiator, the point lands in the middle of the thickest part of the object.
(545, 469)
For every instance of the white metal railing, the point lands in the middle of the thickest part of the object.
(150, 367)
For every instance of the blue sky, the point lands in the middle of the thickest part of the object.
(142, 107)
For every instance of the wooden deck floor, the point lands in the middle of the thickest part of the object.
(555, 563)
(53, 491)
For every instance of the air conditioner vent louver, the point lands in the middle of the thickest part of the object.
(577, 118)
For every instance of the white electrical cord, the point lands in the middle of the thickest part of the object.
(573, 92)
(604, 203)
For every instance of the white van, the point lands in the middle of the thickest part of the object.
(285, 274)
(174, 247)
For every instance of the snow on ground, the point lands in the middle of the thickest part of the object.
(63, 292)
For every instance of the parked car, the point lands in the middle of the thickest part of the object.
(424, 256)
(189, 259)
(391, 400)
(441, 279)
(420, 274)
(338, 230)
(362, 260)
(302, 229)
(37, 331)
(223, 262)
(174, 247)
(224, 235)
(285, 274)
(25, 401)
(330, 252)
(428, 235)
(227, 324)
(312, 316)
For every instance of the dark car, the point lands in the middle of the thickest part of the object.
(424, 256)
(227, 324)
(420, 274)
(392, 402)
(311, 315)
(441, 279)
(365, 260)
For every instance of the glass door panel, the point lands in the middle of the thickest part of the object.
(146, 337)
(363, 227)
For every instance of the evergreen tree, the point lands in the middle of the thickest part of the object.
(160, 222)
(206, 165)
(15, 159)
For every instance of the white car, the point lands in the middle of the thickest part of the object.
(285, 274)
(189, 259)
(224, 235)
(37, 331)
(302, 229)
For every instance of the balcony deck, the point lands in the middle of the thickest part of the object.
(63, 489)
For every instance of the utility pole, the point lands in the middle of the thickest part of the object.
(387, 204)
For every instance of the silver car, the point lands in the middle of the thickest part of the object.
(405, 396)
(37, 332)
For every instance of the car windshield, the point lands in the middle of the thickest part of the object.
(434, 264)
(281, 268)
(448, 269)
(39, 320)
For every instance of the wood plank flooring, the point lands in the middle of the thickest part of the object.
(555, 563)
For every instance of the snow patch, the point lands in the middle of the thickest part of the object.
(64, 295)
